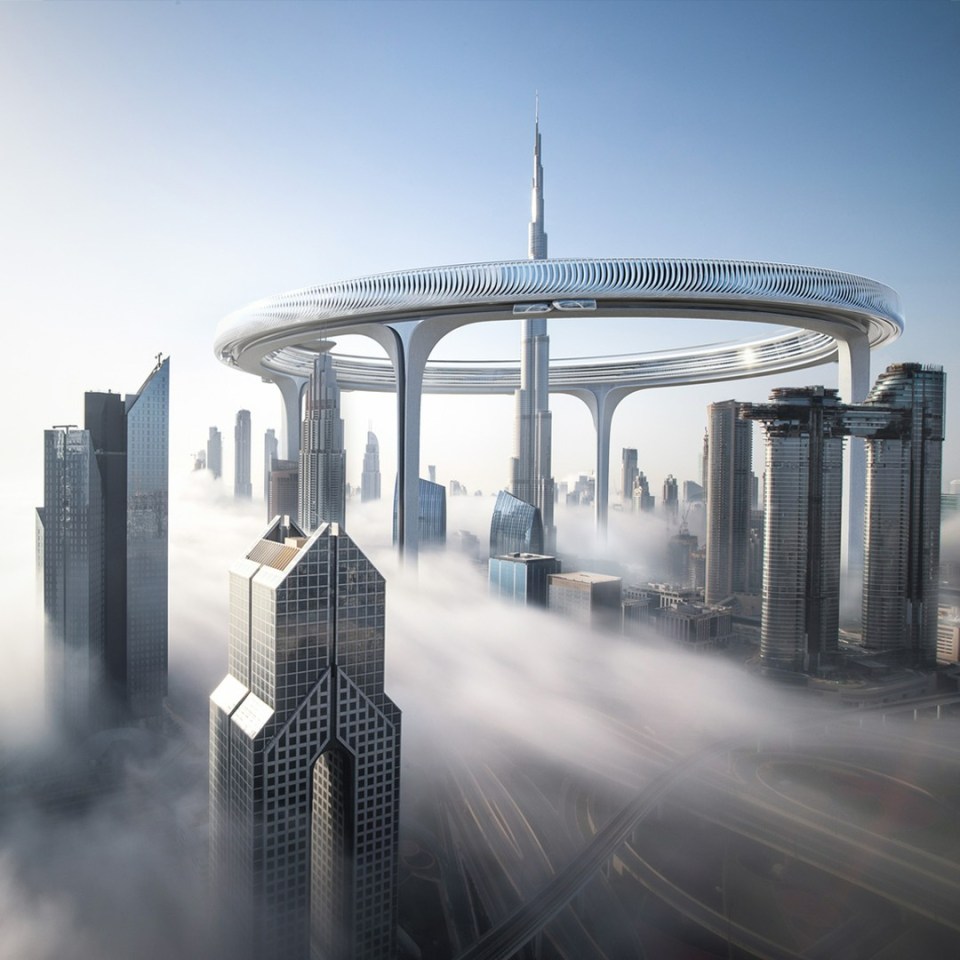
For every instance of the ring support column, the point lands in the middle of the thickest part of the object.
(291, 392)
(602, 402)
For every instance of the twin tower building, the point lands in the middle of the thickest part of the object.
(901, 425)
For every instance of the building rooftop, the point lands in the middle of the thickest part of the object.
(582, 576)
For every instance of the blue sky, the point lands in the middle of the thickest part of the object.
(166, 163)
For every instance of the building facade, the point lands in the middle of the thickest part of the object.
(432, 522)
(728, 448)
(515, 527)
(242, 451)
(305, 755)
(323, 467)
(71, 553)
(522, 577)
(902, 513)
(800, 611)
(592, 599)
(370, 478)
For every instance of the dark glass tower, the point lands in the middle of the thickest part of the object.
(432, 522)
(515, 527)
(729, 450)
(129, 437)
(305, 755)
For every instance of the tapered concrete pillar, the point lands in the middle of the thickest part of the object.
(291, 391)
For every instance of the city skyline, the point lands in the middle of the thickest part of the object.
(171, 163)
(907, 260)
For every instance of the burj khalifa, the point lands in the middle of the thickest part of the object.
(530, 474)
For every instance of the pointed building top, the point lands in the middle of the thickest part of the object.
(537, 237)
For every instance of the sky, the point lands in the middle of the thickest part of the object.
(167, 163)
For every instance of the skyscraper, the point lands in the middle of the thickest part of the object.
(271, 451)
(432, 521)
(305, 754)
(800, 613)
(521, 577)
(643, 501)
(670, 500)
(215, 453)
(628, 473)
(729, 449)
(322, 457)
(71, 549)
(370, 478)
(515, 527)
(242, 487)
(129, 439)
(531, 477)
(902, 511)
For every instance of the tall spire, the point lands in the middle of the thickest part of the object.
(537, 239)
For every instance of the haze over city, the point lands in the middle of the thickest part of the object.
(168, 164)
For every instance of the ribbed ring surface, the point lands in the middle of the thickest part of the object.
(262, 338)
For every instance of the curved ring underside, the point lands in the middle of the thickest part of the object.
(279, 336)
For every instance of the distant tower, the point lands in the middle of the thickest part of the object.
(432, 525)
(643, 502)
(242, 487)
(215, 453)
(129, 439)
(515, 527)
(729, 443)
(670, 501)
(628, 473)
(370, 478)
(271, 451)
(902, 515)
(804, 493)
(73, 571)
(322, 457)
(305, 755)
(531, 476)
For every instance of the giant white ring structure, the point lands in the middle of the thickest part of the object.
(833, 316)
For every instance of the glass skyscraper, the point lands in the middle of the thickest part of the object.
(432, 522)
(628, 473)
(902, 512)
(728, 448)
(105, 554)
(72, 577)
(305, 754)
(800, 611)
(322, 458)
(522, 577)
(515, 526)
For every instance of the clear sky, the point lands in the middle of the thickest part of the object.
(166, 163)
